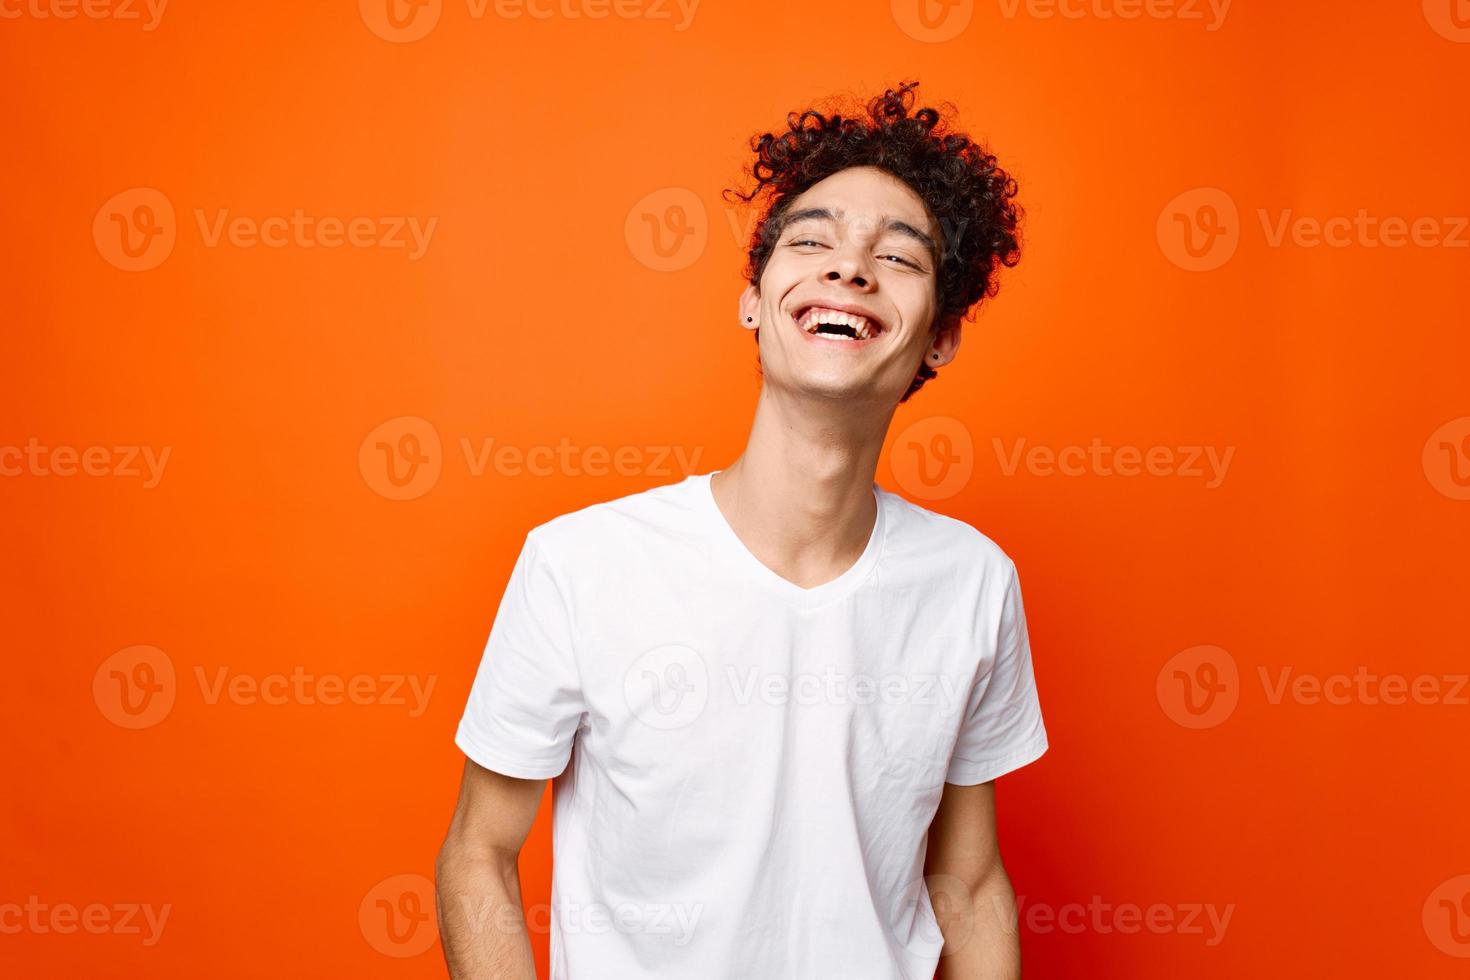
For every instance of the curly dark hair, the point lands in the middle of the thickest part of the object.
(956, 176)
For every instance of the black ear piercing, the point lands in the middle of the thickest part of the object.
(749, 318)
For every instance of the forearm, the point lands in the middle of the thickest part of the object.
(482, 924)
(981, 941)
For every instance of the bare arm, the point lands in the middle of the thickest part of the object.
(969, 888)
(482, 923)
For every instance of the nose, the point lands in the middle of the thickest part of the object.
(849, 263)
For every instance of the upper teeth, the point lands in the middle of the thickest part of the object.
(818, 315)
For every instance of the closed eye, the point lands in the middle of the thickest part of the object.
(813, 241)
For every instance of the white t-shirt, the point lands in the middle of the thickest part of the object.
(753, 765)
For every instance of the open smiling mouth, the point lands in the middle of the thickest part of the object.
(834, 324)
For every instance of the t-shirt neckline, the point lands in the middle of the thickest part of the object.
(759, 573)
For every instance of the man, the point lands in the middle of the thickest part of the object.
(775, 697)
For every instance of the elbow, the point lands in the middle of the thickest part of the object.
(460, 855)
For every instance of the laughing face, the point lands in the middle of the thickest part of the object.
(847, 298)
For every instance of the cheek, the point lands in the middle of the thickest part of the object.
(776, 279)
(918, 308)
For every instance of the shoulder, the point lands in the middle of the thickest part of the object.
(944, 544)
(594, 535)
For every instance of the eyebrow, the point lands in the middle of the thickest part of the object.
(888, 224)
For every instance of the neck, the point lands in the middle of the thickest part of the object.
(800, 495)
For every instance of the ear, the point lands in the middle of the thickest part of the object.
(946, 343)
(750, 306)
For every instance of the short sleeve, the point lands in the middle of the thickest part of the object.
(1002, 728)
(525, 705)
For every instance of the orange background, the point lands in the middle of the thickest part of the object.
(1337, 540)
